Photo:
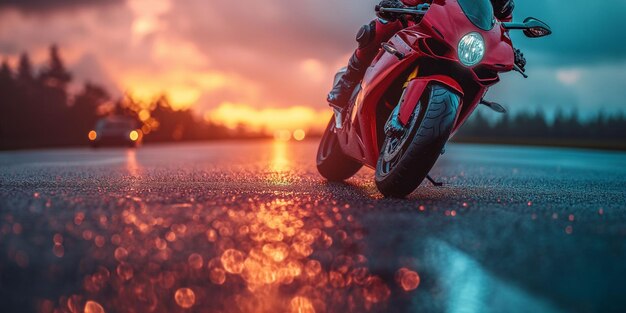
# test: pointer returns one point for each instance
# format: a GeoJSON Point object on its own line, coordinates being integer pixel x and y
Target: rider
{"type": "Point", "coordinates": [382, 29]}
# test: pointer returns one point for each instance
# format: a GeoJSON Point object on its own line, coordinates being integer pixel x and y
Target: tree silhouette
{"type": "Point", "coordinates": [534, 128]}
{"type": "Point", "coordinates": [25, 70]}
{"type": "Point", "coordinates": [6, 75]}
{"type": "Point", "coordinates": [36, 111]}
{"type": "Point", "coordinates": [7, 111]}
{"type": "Point", "coordinates": [55, 75]}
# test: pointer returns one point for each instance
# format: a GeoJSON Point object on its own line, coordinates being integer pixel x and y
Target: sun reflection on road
{"type": "Point", "coordinates": [289, 254]}
{"type": "Point", "coordinates": [138, 251]}
{"type": "Point", "coordinates": [280, 157]}
{"type": "Point", "coordinates": [280, 164]}
{"type": "Point", "coordinates": [132, 166]}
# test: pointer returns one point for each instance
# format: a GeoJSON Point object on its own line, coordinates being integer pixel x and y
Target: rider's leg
{"type": "Point", "coordinates": [369, 38]}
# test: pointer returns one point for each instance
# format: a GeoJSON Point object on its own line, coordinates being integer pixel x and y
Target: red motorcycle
{"type": "Point", "coordinates": [423, 85]}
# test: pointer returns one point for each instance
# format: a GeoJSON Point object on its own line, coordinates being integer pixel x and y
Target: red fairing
{"type": "Point", "coordinates": [431, 47]}
{"type": "Point", "coordinates": [412, 3]}
{"type": "Point", "coordinates": [416, 88]}
{"type": "Point", "coordinates": [452, 27]}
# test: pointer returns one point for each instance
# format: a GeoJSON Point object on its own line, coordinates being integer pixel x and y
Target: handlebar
{"type": "Point", "coordinates": [519, 70]}
{"type": "Point", "coordinates": [418, 10]}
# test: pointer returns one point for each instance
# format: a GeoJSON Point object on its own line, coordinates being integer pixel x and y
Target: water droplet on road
{"type": "Point", "coordinates": [233, 261]}
{"type": "Point", "coordinates": [408, 280]}
{"type": "Point", "coordinates": [185, 297]}
{"type": "Point", "coordinates": [93, 307]}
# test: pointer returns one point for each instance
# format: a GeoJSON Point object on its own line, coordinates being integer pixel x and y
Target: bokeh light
{"type": "Point", "coordinates": [409, 280]}
{"type": "Point", "coordinates": [243, 256]}
{"type": "Point", "coordinates": [185, 297]}
{"type": "Point", "coordinates": [134, 135]}
{"type": "Point", "coordinates": [93, 307]}
{"type": "Point", "coordinates": [92, 135]}
{"type": "Point", "coordinates": [299, 135]}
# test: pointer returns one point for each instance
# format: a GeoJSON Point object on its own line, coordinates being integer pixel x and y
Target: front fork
{"type": "Point", "coordinates": [394, 126]}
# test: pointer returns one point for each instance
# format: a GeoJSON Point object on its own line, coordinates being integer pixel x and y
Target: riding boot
{"type": "Point", "coordinates": [339, 96]}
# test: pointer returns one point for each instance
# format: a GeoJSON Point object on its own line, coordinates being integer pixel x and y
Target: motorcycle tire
{"type": "Point", "coordinates": [332, 163]}
{"type": "Point", "coordinates": [402, 168]}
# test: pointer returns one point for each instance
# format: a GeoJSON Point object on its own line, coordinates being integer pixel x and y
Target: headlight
{"type": "Point", "coordinates": [471, 49]}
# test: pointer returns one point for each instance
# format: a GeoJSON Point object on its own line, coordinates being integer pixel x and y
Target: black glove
{"type": "Point", "coordinates": [395, 4]}
{"type": "Point", "coordinates": [520, 60]}
{"type": "Point", "coordinates": [503, 8]}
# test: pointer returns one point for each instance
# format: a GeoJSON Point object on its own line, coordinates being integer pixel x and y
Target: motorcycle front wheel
{"type": "Point", "coordinates": [332, 163]}
{"type": "Point", "coordinates": [405, 159]}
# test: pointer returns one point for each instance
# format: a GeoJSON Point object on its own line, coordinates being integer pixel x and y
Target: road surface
{"type": "Point", "coordinates": [251, 227]}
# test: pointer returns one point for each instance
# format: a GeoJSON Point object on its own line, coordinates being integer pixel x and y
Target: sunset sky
{"type": "Point", "coordinates": [272, 61]}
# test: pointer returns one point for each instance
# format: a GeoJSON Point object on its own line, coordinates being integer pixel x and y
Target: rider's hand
{"type": "Point", "coordinates": [520, 60]}
{"type": "Point", "coordinates": [388, 4]}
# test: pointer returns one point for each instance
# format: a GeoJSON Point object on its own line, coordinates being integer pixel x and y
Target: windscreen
{"type": "Point", "coordinates": [480, 12]}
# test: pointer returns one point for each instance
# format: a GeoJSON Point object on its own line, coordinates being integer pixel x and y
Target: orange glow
{"type": "Point", "coordinates": [211, 235]}
{"type": "Point", "coordinates": [195, 261]}
{"type": "Point", "coordinates": [151, 58]}
{"type": "Point", "coordinates": [183, 87]}
{"type": "Point", "coordinates": [134, 135]}
{"type": "Point", "coordinates": [301, 305]}
{"type": "Point", "coordinates": [249, 258]}
{"type": "Point", "coordinates": [277, 251]}
{"type": "Point", "coordinates": [144, 115]}
{"type": "Point", "coordinates": [409, 280]}
{"type": "Point", "coordinates": [280, 157]}
{"type": "Point", "coordinates": [170, 236]}
{"type": "Point", "coordinates": [218, 276]}
{"type": "Point", "coordinates": [299, 134]}
{"type": "Point", "coordinates": [131, 163]}
{"type": "Point", "coordinates": [233, 261]}
{"type": "Point", "coordinates": [271, 119]}
{"type": "Point", "coordinates": [282, 135]}
{"type": "Point", "coordinates": [93, 307]}
{"type": "Point", "coordinates": [92, 135]}
{"type": "Point", "coordinates": [185, 297]}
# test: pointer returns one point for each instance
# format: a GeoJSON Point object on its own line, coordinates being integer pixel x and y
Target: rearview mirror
{"type": "Point", "coordinates": [536, 28]}
{"type": "Point", "coordinates": [532, 27]}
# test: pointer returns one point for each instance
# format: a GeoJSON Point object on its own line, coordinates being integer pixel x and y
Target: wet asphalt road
{"type": "Point", "coordinates": [251, 227]}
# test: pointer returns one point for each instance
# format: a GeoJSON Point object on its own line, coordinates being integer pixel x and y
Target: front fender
{"type": "Point", "coordinates": [415, 89]}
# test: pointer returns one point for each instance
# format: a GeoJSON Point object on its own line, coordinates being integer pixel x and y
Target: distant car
{"type": "Point", "coordinates": [115, 131]}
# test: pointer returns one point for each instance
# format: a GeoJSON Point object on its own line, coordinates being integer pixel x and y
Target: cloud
{"type": "Point", "coordinates": [52, 5]}
{"type": "Point", "coordinates": [89, 69]}
{"type": "Point", "coordinates": [288, 47]}
{"type": "Point", "coordinates": [569, 77]}
{"type": "Point", "coordinates": [273, 55]}
{"type": "Point", "coordinates": [584, 32]}
{"type": "Point", "coordinates": [586, 89]}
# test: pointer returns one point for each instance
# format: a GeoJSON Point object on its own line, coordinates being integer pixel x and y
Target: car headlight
{"type": "Point", "coordinates": [133, 135]}
{"type": "Point", "coordinates": [471, 49]}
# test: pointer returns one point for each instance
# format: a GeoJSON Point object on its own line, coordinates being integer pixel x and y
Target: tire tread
{"type": "Point", "coordinates": [425, 147]}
